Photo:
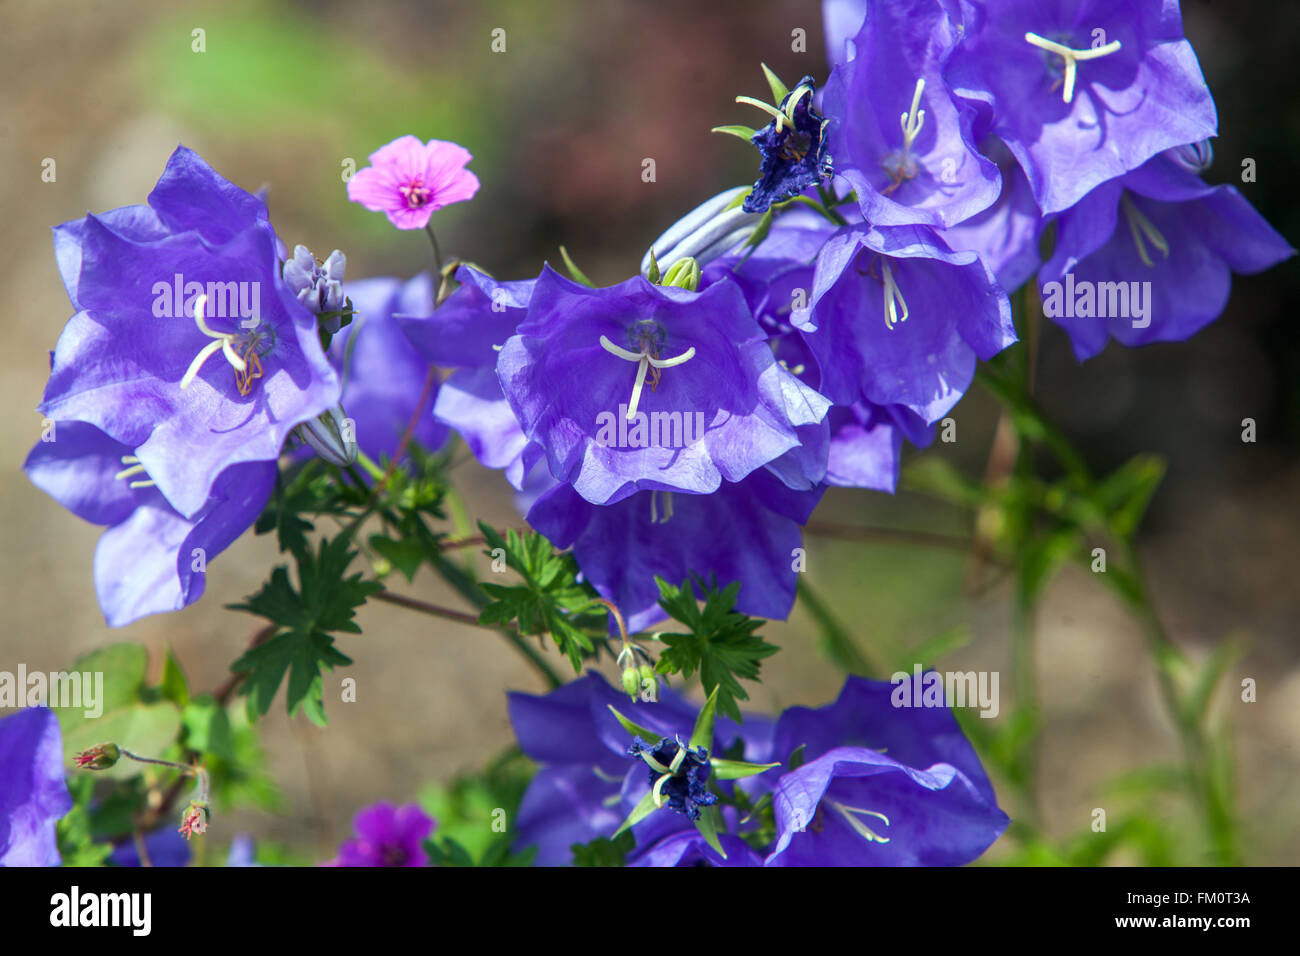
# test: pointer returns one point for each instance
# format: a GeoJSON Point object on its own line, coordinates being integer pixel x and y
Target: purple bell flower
{"type": "Point", "coordinates": [881, 786]}
{"type": "Point", "coordinates": [33, 793]}
{"type": "Point", "coordinates": [692, 363]}
{"type": "Point", "coordinates": [188, 346]}
{"type": "Point", "coordinates": [793, 147]}
{"type": "Point", "coordinates": [1081, 91]}
{"type": "Point", "coordinates": [1149, 257]}
{"type": "Point", "coordinates": [746, 531]}
{"type": "Point", "coordinates": [151, 559]}
{"type": "Point", "coordinates": [466, 333]}
{"type": "Point", "coordinates": [382, 372]}
{"type": "Point", "coordinates": [903, 140]}
{"type": "Point", "coordinates": [898, 318]}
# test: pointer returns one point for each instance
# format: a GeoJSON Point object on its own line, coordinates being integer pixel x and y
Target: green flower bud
{"type": "Point", "coordinates": [631, 682]}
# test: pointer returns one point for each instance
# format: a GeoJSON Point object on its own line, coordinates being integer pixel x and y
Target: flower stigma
{"type": "Point", "coordinates": [646, 336]}
{"type": "Point", "coordinates": [1071, 57]}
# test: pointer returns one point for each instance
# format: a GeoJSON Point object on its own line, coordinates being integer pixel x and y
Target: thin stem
{"type": "Point", "coordinates": [437, 253]}
{"type": "Point", "coordinates": [844, 532]}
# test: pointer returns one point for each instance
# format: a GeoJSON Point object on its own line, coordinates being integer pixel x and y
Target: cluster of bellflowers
{"type": "Point", "coordinates": [781, 339]}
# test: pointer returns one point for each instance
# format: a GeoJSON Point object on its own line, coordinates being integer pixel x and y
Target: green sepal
{"type": "Point", "coordinates": [779, 89]}
{"type": "Point", "coordinates": [636, 730]}
{"type": "Point", "coordinates": [724, 769]}
{"type": "Point", "coordinates": [747, 133]}
{"type": "Point", "coordinates": [574, 272]}
{"type": "Point", "coordinates": [639, 813]}
{"type": "Point", "coordinates": [702, 735]}
{"type": "Point", "coordinates": [708, 828]}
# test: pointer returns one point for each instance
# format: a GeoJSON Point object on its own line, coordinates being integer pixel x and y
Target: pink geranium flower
{"type": "Point", "coordinates": [408, 180]}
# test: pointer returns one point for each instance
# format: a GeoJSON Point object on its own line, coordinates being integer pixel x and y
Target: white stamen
{"type": "Point", "coordinates": [860, 828]}
{"type": "Point", "coordinates": [893, 297]}
{"type": "Point", "coordinates": [133, 468]}
{"type": "Point", "coordinates": [1071, 57]}
{"type": "Point", "coordinates": [1139, 225]}
{"type": "Point", "coordinates": [655, 517]}
{"type": "Point", "coordinates": [914, 118]}
{"type": "Point", "coordinates": [224, 343]}
{"type": "Point", "coordinates": [659, 789]}
{"type": "Point", "coordinates": [644, 362]}
{"type": "Point", "coordinates": [127, 472]}
{"type": "Point", "coordinates": [141, 484]}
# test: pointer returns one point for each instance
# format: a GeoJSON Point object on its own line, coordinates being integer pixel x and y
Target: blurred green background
{"type": "Point", "coordinates": [559, 124]}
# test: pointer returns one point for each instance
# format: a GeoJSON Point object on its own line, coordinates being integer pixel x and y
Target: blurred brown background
{"type": "Point", "coordinates": [559, 125]}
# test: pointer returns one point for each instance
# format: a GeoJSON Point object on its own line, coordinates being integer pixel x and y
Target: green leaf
{"type": "Point", "coordinates": [720, 644]}
{"type": "Point", "coordinates": [127, 716]}
{"type": "Point", "coordinates": [653, 274]}
{"type": "Point", "coordinates": [702, 735]}
{"type": "Point", "coordinates": [551, 600]}
{"type": "Point", "coordinates": [574, 272]}
{"type": "Point", "coordinates": [325, 602]}
{"type": "Point", "coordinates": [207, 727]}
{"type": "Point", "coordinates": [1196, 704]}
{"type": "Point", "coordinates": [604, 852]}
{"type": "Point", "coordinates": [737, 769]}
{"type": "Point", "coordinates": [77, 846]}
{"type": "Point", "coordinates": [174, 686]}
{"type": "Point", "coordinates": [406, 554]}
{"type": "Point", "coordinates": [636, 730]}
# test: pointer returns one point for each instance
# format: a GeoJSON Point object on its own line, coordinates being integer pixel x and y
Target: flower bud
{"type": "Point", "coordinates": [683, 274]}
{"type": "Point", "coordinates": [649, 681]}
{"type": "Point", "coordinates": [631, 682]}
{"type": "Point", "coordinates": [98, 758]}
{"type": "Point", "coordinates": [711, 230]}
{"type": "Point", "coordinates": [331, 437]}
{"type": "Point", "coordinates": [194, 820]}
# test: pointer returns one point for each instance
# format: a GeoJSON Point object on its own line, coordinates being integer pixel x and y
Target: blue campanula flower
{"type": "Point", "coordinates": [903, 140]}
{"type": "Point", "coordinates": [880, 785]}
{"type": "Point", "coordinates": [679, 773]}
{"type": "Point", "coordinates": [188, 346]}
{"type": "Point", "coordinates": [680, 358]}
{"type": "Point", "coordinates": [151, 559]}
{"type": "Point", "coordinates": [387, 835]}
{"type": "Point", "coordinates": [898, 318]}
{"type": "Point", "coordinates": [1081, 91]}
{"type": "Point", "coordinates": [1149, 257]}
{"type": "Point", "coordinates": [33, 794]}
{"type": "Point", "coordinates": [382, 373]}
{"type": "Point", "coordinates": [466, 333]}
{"type": "Point", "coordinates": [746, 531]}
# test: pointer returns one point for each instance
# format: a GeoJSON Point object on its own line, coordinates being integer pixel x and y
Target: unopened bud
{"type": "Point", "coordinates": [711, 230]}
{"type": "Point", "coordinates": [631, 682]}
{"type": "Point", "coordinates": [683, 274]}
{"type": "Point", "coordinates": [331, 437]}
{"type": "Point", "coordinates": [649, 680]}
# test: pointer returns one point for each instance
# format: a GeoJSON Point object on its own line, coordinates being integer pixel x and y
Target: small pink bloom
{"type": "Point", "coordinates": [408, 180]}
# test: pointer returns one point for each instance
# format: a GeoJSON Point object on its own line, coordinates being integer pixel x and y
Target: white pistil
{"type": "Point", "coordinates": [1071, 58]}
{"type": "Point", "coordinates": [913, 119]}
{"type": "Point", "coordinates": [893, 297]}
{"type": "Point", "coordinates": [860, 828]}
{"type": "Point", "coordinates": [645, 362]}
{"type": "Point", "coordinates": [224, 343]}
{"type": "Point", "coordinates": [767, 108]}
{"type": "Point", "coordinates": [1139, 225]}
